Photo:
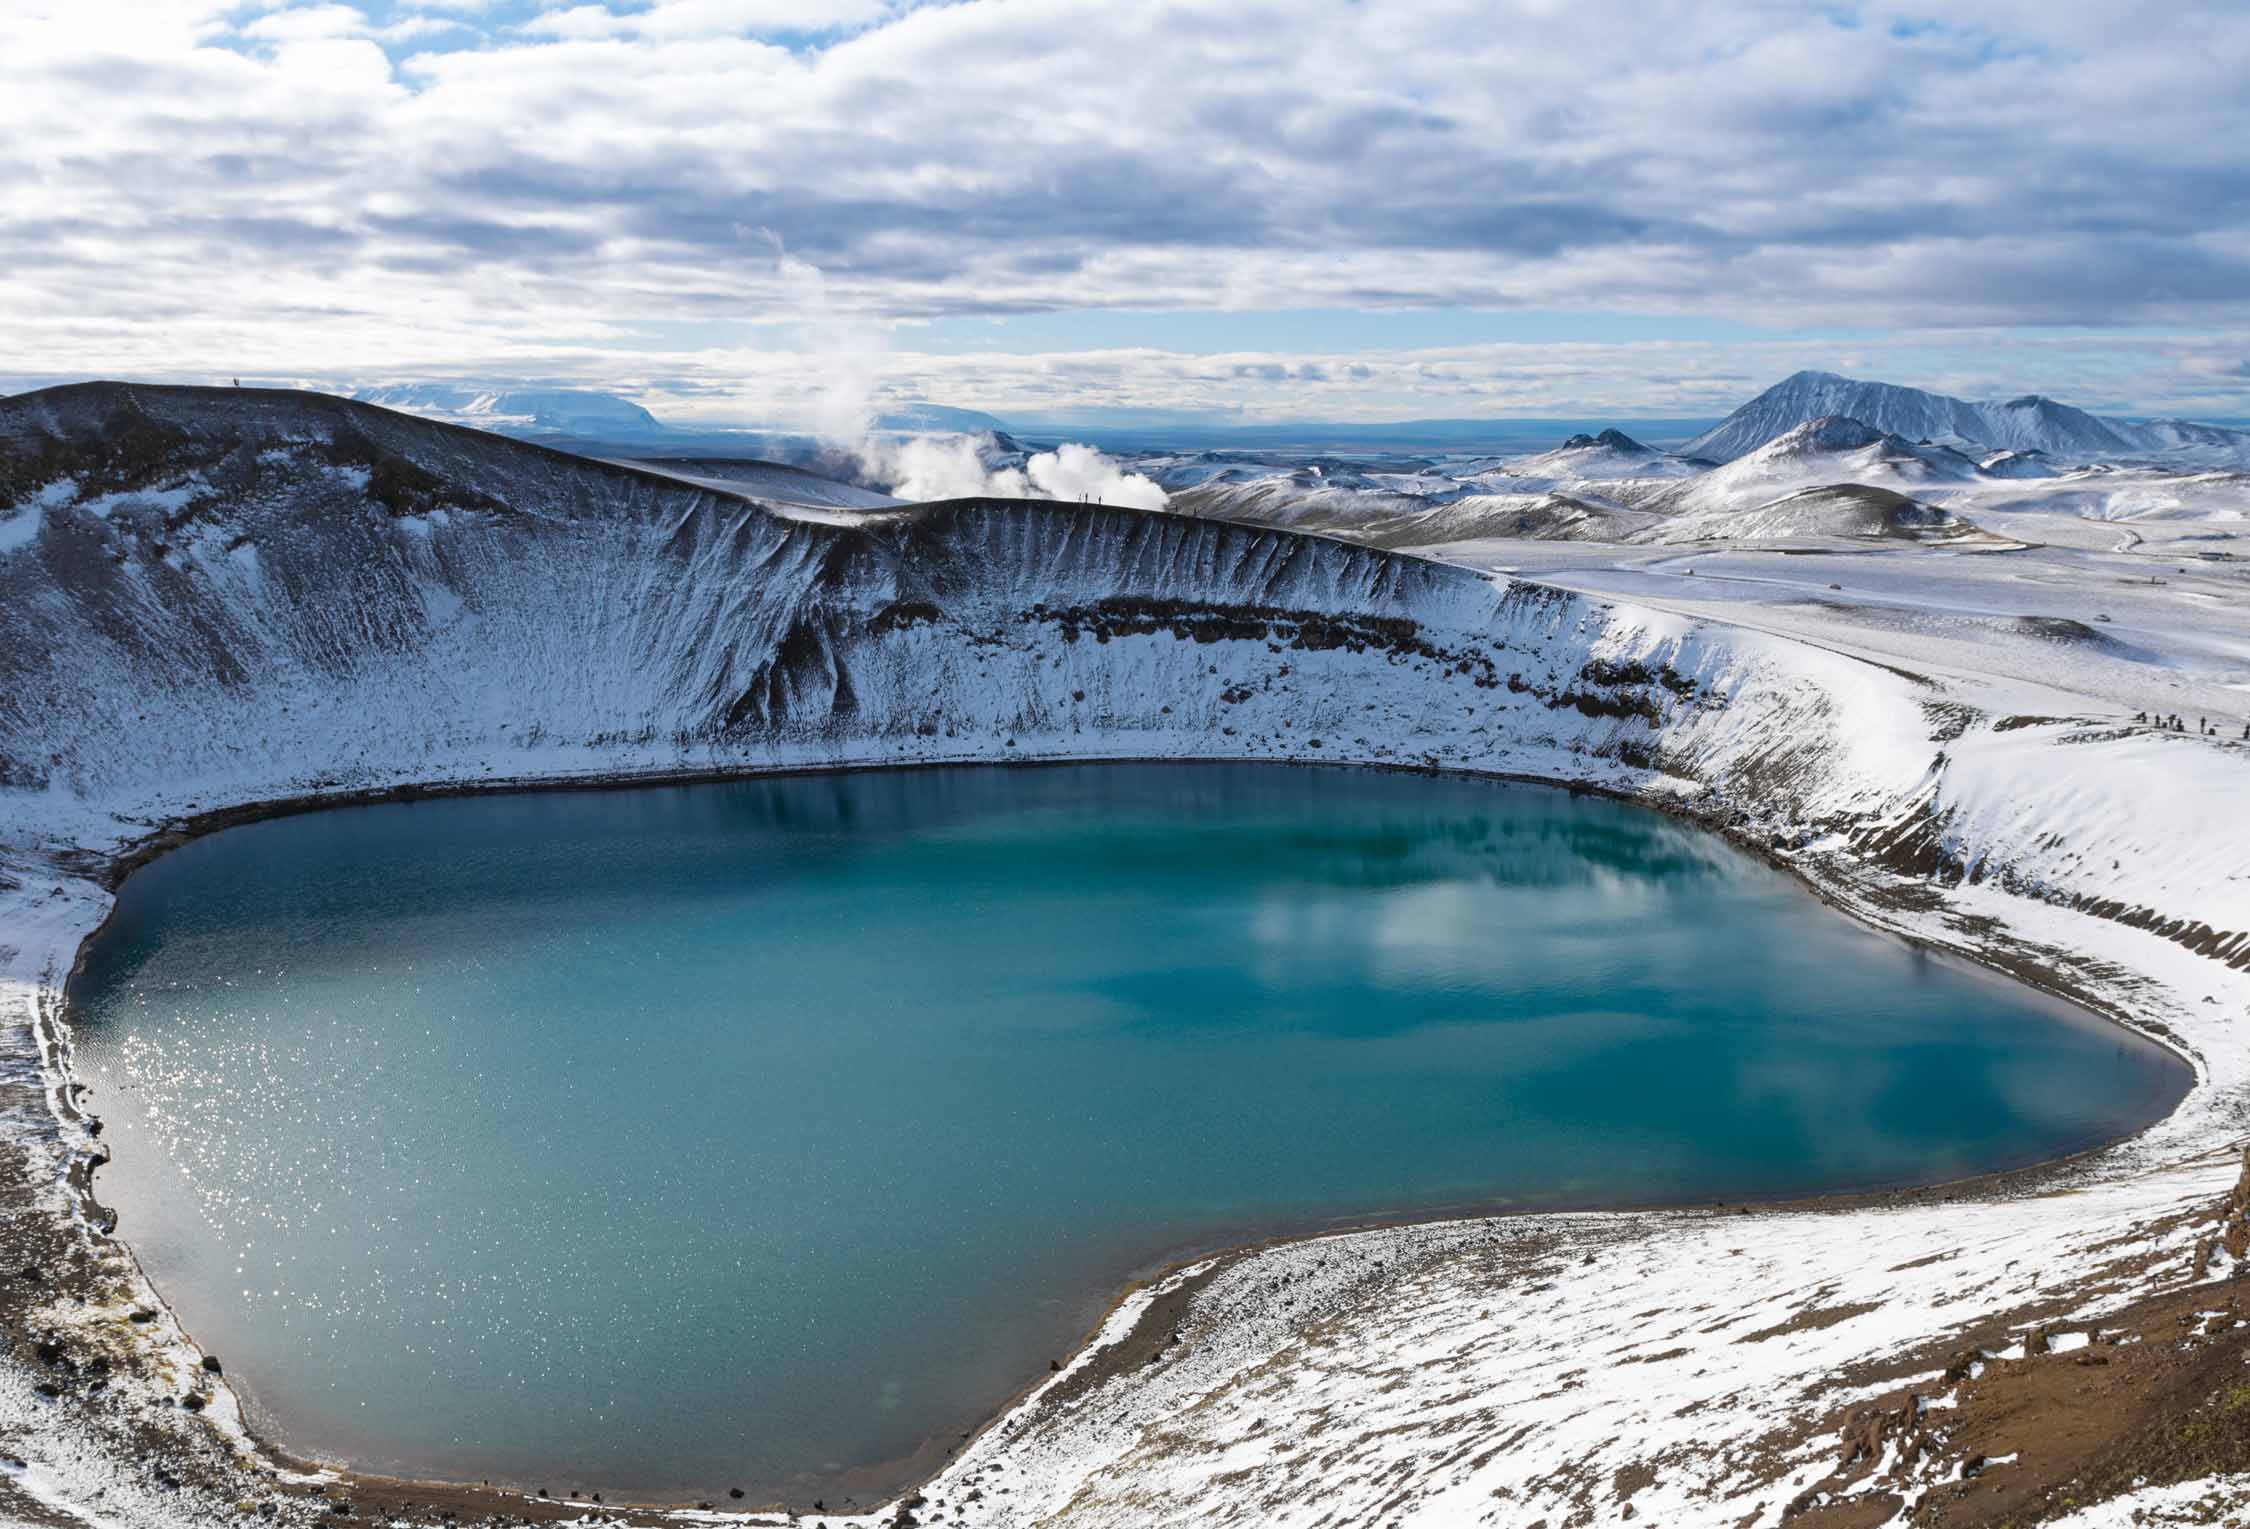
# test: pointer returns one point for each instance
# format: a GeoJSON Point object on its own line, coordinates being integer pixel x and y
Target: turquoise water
{"type": "Point", "coordinates": [755, 1134]}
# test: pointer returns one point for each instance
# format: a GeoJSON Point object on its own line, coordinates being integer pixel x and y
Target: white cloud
{"type": "Point", "coordinates": [674, 20]}
{"type": "Point", "coordinates": [307, 22]}
{"type": "Point", "coordinates": [192, 182]}
{"type": "Point", "coordinates": [408, 28]}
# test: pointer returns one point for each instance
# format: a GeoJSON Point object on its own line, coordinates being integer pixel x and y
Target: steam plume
{"type": "Point", "coordinates": [953, 467]}
{"type": "Point", "coordinates": [930, 466]}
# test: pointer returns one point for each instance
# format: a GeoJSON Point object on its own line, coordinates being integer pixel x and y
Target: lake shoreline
{"type": "Point", "coordinates": [907, 1474]}
{"type": "Point", "coordinates": [2040, 834]}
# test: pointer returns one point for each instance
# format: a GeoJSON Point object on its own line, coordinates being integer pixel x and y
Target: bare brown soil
{"type": "Point", "coordinates": [2158, 1393]}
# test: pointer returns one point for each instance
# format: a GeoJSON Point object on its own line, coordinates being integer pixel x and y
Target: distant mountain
{"type": "Point", "coordinates": [931, 418]}
{"type": "Point", "coordinates": [1447, 436]}
{"type": "Point", "coordinates": [1583, 458]}
{"type": "Point", "coordinates": [2031, 423]}
{"type": "Point", "coordinates": [520, 411]}
{"type": "Point", "coordinates": [1615, 440]}
{"type": "Point", "coordinates": [2023, 424]}
{"type": "Point", "coordinates": [605, 418]}
{"type": "Point", "coordinates": [2228, 447]}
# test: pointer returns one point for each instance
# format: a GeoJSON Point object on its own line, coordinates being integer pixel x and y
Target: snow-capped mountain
{"type": "Point", "coordinates": [2031, 423]}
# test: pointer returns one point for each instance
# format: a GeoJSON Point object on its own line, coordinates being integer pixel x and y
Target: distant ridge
{"type": "Point", "coordinates": [1615, 440]}
{"type": "Point", "coordinates": [2030, 423]}
{"type": "Point", "coordinates": [924, 418]}
{"type": "Point", "coordinates": [519, 411]}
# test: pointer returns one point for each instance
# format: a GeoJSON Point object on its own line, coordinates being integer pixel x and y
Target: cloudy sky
{"type": "Point", "coordinates": [731, 209]}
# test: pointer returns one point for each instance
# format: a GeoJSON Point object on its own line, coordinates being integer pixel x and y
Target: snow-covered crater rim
{"type": "Point", "coordinates": [614, 626]}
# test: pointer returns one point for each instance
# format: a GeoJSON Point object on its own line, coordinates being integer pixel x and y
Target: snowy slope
{"type": "Point", "coordinates": [1528, 517]}
{"type": "Point", "coordinates": [1581, 490]}
{"type": "Point", "coordinates": [212, 598]}
{"type": "Point", "coordinates": [1314, 496]}
{"type": "Point", "coordinates": [2019, 464]}
{"type": "Point", "coordinates": [1820, 452]}
{"type": "Point", "coordinates": [768, 482]}
{"type": "Point", "coordinates": [1846, 510]}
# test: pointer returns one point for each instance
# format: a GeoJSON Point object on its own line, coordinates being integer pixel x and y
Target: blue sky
{"type": "Point", "coordinates": [798, 209]}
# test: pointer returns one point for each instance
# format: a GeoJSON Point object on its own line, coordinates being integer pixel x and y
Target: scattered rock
{"type": "Point", "coordinates": [1863, 1438]}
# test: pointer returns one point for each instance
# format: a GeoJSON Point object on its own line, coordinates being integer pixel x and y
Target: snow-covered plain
{"type": "Point", "coordinates": [1795, 463]}
{"type": "Point", "coordinates": [282, 598]}
{"type": "Point", "coordinates": [1788, 490]}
